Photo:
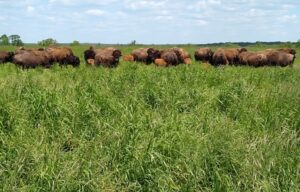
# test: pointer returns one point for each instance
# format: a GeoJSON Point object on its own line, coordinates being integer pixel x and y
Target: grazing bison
{"type": "Point", "coordinates": [32, 59]}
{"type": "Point", "coordinates": [160, 63]}
{"type": "Point", "coordinates": [232, 55]}
{"type": "Point", "coordinates": [89, 54]}
{"type": "Point", "coordinates": [63, 56]}
{"type": "Point", "coordinates": [6, 57]}
{"type": "Point", "coordinates": [280, 58]}
{"type": "Point", "coordinates": [219, 57]}
{"type": "Point", "coordinates": [146, 55]}
{"type": "Point", "coordinates": [170, 57]}
{"type": "Point", "coordinates": [257, 59]}
{"type": "Point", "coordinates": [108, 57]}
{"type": "Point", "coordinates": [128, 58]}
{"type": "Point", "coordinates": [181, 54]}
{"type": "Point", "coordinates": [204, 55]}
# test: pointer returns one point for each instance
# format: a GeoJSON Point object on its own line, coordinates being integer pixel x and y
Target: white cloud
{"type": "Point", "coordinates": [95, 12]}
{"type": "Point", "coordinates": [30, 9]}
{"type": "Point", "coordinates": [201, 22]}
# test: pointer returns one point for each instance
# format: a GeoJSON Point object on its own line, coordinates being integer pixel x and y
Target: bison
{"type": "Point", "coordinates": [280, 58]}
{"type": "Point", "coordinates": [108, 57]}
{"type": "Point", "coordinates": [128, 58]}
{"type": "Point", "coordinates": [89, 54]}
{"type": "Point", "coordinates": [181, 54]}
{"type": "Point", "coordinates": [170, 57]}
{"type": "Point", "coordinates": [145, 55]}
{"type": "Point", "coordinates": [219, 57]}
{"type": "Point", "coordinates": [203, 54]}
{"type": "Point", "coordinates": [232, 55]}
{"type": "Point", "coordinates": [187, 61]}
{"type": "Point", "coordinates": [6, 57]}
{"type": "Point", "coordinates": [63, 56]}
{"type": "Point", "coordinates": [32, 59]}
{"type": "Point", "coordinates": [160, 63]}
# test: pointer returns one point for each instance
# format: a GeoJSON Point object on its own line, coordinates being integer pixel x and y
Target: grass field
{"type": "Point", "coordinates": [143, 128]}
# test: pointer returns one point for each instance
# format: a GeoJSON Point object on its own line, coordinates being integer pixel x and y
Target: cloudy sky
{"type": "Point", "coordinates": [152, 21]}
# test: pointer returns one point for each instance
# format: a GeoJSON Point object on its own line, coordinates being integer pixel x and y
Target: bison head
{"type": "Point", "coordinates": [117, 54]}
{"type": "Point", "coordinates": [89, 54]}
{"type": "Point", "coordinates": [292, 51]}
{"type": "Point", "coordinates": [152, 55]}
{"type": "Point", "coordinates": [241, 50]}
{"type": "Point", "coordinates": [10, 56]}
{"type": "Point", "coordinates": [73, 60]}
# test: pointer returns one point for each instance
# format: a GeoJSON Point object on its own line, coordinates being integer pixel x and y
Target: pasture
{"type": "Point", "coordinates": [145, 128]}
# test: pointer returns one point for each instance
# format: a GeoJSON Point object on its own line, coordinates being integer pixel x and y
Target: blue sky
{"type": "Point", "coordinates": [152, 21]}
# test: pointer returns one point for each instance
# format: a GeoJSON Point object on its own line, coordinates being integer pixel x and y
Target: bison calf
{"type": "Point", "coordinates": [160, 63]}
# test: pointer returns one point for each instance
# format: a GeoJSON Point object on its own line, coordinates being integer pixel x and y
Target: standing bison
{"type": "Point", "coordinates": [32, 59]}
{"type": "Point", "coordinates": [6, 57]}
{"type": "Point", "coordinates": [181, 54]}
{"type": "Point", "coordinates": [63, 56]}
{"type": "Point", "coordinates": [219, 57]}
{"type": "Point", "coordinates": [204, 55]}
{"type": "Point", "coordinates": [170, 57]}
{"type": "Point", "coordinates": [232, 55]}
{"type": "Point", "coordinates": [107, 57]}
{"type": "Point", "coordinates": [145, 55]}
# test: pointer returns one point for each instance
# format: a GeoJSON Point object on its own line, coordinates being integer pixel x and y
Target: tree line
{"type": "Point", "coordinates": [11, 40]}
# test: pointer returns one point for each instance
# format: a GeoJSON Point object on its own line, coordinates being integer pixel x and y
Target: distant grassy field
{"type": "Point", "coordinates": [143, 128]}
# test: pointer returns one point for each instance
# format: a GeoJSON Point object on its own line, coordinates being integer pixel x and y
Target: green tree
{"type": "Point", "coordinates": [47, 42]}
{"type": "Point", "coordinates": [133, 42]}
{"type": "Point", "coordinates": [4, 40]}
{"type": "Point", "coordinates": [75, 43]}
{"type": "Point", "coordinates": [16, 40]}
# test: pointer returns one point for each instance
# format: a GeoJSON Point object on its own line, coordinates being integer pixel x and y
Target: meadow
{"type": "Point", "coordinates": [145, 128]}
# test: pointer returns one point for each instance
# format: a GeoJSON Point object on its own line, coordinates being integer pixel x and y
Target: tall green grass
{"type": "Point", "coordinates": [143, 128]}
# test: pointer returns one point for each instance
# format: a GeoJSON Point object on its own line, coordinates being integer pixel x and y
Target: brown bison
{"type": "Point", "coordinates": [6, 57]}
{"type": "Point", "coordinates": [89, 54]}
{"type": "Point", "coordinates": [32, 59]}
{"type": "Point", "coordinates": [187, 61]}
{"type": "Point", "coordinates": [232, 55]}
{"type": "Point", "coordinates": [128, 58]}
{"type": "Point", "coordinates": [63, 56]}
{"type": "Point", "coordinates": [160, 63]}
{"type": "Point", "coordinates": [108, 57]}
{"type": "Point", "coordinates": [146, 55]}
{"type": "Point", "coordinates": [170, 57]}
{"type": "Point", "coordinates": [257, 59]}
{"type": "Point", "coordinates": [219, 57]}
{"type": "Point", "coordinates": [204, 55]}
{"type": "Point", "coordinates": [181, 54]}
{"type": "Point", "coordinates": [280, 58]}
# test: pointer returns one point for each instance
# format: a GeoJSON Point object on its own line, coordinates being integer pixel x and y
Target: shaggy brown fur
{"type": "Point", "coordinates": [128, 58]}
{"type": "Point", "coordinates": [219, 57]}
{"type": "Point", "coordinates": [160, 63]}
{"type": "Point", "coordinates": [203, 54]}
{"type": "Point", "coordinates": [108, 57]}
{"type": "Point", "coordinates": [6, 56]}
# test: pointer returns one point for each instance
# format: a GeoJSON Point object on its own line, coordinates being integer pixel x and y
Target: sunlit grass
{"type": "Point", "coordinates": [143, 128]}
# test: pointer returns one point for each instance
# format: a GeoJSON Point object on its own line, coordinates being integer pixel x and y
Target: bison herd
{"type": "Point", "coordinates": [240, 56]}
{"type": "Point", "coordinates": [110, 57]}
